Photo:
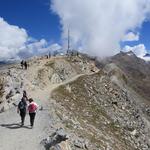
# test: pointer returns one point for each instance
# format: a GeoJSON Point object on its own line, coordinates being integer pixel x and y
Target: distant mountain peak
{"type": "Point", "coordinates": [130, 53]}
{"type": "Point", "coordinates": [126, 54]}
{"type": "Point", "coordinates": [147, 55]}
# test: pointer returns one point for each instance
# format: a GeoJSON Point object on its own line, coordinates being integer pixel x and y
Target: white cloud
{"type": "Point", "coordinates": [139, 50]}
{"type": "Point", "coordinates": [33, 48]}
{"type": "Point", "coordinates": [38, 48]}
{"type": "Point", "coordinates": [131, 37]}
{"type": "Point", "coordinates": [54, 47]}
{"type": "Point", "coordinates": [11, 39]}
{"type": "Point", "coordinates": [15, 43]}
{"type": "Point", "coordinates": [98, 26]}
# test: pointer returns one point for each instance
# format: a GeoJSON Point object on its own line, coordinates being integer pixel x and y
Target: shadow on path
{"type": "Point", "coordinates": [14, 126]}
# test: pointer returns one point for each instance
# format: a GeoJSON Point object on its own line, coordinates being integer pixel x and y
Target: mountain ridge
{"type": "Point", "coordinates": [99, 103]}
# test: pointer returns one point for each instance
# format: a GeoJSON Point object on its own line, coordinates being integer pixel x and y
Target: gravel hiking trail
{"type": "Point", "coordinates": [15, 137]}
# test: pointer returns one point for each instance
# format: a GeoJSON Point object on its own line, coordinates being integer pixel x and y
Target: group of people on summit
{"type": "Point", "coordinates": [27, 105]}
{"type": "Point", "coordinates": [24, 64]}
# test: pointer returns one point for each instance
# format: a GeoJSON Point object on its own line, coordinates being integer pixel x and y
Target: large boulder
{"type": "Point", "coordinates": [54, 140]}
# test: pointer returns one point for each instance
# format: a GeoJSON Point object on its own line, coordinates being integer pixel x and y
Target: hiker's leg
{"type": "Point", "coordinates": [32, 116]}
{"type": "Point", "coordinates": [22, 117]}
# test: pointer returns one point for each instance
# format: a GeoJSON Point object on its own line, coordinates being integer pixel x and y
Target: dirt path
{"type": "Point", "coordinates": [14, 137]}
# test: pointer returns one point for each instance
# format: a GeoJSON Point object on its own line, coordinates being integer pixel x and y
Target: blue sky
{"type": "Point", "coordinates": [144, 36]}
{"type": "Point", "coordinates": [34, 16]}
{"type": "Point", "coordinates": [86, 20]}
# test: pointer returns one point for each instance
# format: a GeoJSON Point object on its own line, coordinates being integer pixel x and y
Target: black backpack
{"type": "Point", "coordinates": [22, 105]}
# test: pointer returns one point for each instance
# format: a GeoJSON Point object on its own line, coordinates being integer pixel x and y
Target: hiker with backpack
{"type": "Point", "coordinates": [32, 107]}
{"type": "Point", "coordinates": [22, 107]}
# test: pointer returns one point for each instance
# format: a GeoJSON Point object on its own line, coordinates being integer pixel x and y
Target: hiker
{"type": "Point", "coordinates": [25, 65]}
{"type": "Point", "coordinates": [25, 95]}
{"type": "Point", "coordinates": [32, 107]}
{"type": "Point", "coordinates": [22, 107]}
{"type": "Point", "coordinates": [22, 64]}
{"type": "Point", "coordinates": [49, 55]}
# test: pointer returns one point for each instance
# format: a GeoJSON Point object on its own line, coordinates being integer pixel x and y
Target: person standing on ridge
{"type": "Point", "coordinates": [25, 95]}
{"type": "Point", "coordinates": [32, 107]}
{"type": "Point", "coordinates": [25, 65]}
{"type": "Point", "coordinates": [22, 107]}
{"type": "Point", "coordinates": [49, 55]}
{"type": "Point", "coordinates": [22, 64]}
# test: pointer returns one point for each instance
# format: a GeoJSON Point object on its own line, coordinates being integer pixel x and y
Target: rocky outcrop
{"type": "Point", "coordinates": [53, 142]}
{"type": "Point", "coordinates": [60, 140]}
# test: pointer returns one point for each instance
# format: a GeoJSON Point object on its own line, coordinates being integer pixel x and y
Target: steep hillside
{"type": "Point", "coordinates": [102, 113]}
{"type": "Point", "coordinates": [41, 77]}
{"type": "Point", "coordinates": [41, 74]}
{"type": "Point", "coordinates": [136, 70]}
{"type": "Point", "coordinates": [97, 108]}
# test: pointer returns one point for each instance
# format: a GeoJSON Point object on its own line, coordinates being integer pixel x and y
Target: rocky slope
{"type": "Point", "coordinates": [136, 70]}
{"type": "Point", "coordinates": [108, 109]}
{"type": "Point", "coordinates": [41, 74]}
{"type": "Point", "coordinates": [96, 108]}
{"type": "Point", "coordinates": [102, 113]}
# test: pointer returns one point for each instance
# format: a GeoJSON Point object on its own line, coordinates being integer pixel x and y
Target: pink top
{"type": "Point", "coordinates": [32, 107]}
